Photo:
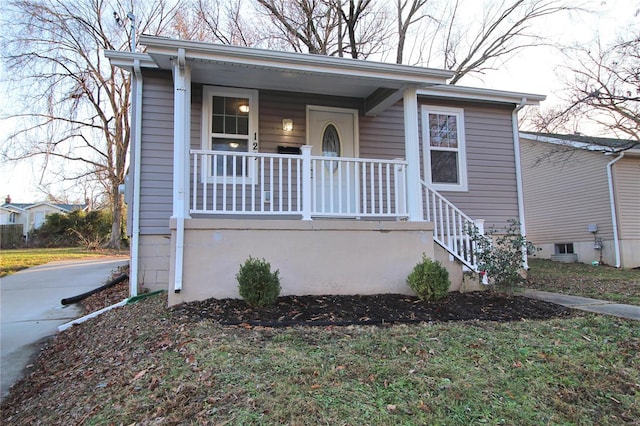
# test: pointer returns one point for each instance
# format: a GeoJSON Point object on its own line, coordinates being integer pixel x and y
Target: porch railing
{"type": "Point", "coordinates": [451, 227]}
{"type": "Point", "coordinates": [237, 183]}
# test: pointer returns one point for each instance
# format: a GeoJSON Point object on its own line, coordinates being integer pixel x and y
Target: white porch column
{"type": "Point", "coordinates": [412, 152]}
{"type": "Point", "coordinates": [181, 141]}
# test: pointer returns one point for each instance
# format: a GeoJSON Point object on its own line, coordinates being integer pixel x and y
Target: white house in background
{"type": "Point", "coordinates": [32, 215]}
{"type": "Point", "coordinates": [582, 197]}
{"type": "Point", "coordinates": [340, 172]}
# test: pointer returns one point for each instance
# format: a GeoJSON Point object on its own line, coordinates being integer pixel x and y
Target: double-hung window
{"type": "Point", "coordinates": [444, 148]}
{"type": "Point", "coordinates": [230, 127]}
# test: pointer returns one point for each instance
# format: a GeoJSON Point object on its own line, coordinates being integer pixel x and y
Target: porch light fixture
{"type": "Point", "coordinates": [287, 124]}
{"type": "Point", "coordinates": [243, 108]}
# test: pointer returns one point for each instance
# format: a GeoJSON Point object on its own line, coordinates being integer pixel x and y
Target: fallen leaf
{"type": "Point", "coordinates": [314, 387]}
{"type": "Point", "coordinates": [139, 374]}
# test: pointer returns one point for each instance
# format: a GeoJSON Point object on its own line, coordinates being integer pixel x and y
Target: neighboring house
{"type": "Point", "coordinates": [582, 197]}
{"type": "Point", "coordinates": [10, 215]}
{"type": "Point", "coordinates": [33, 215]}
{"type": "Point", "coordinates": [314, 163]}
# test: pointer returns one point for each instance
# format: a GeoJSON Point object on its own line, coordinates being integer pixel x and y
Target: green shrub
{"type": "Point", "coordinates": [77, 228]}
{"type": "Point", "coordinates": [429, 279]}
{"type": "Point", "coordinates": [501, 255]}
{"type": "Point", "coordinates": [258, 285]}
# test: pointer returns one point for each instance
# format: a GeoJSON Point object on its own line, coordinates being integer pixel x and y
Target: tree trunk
{"type": "Point", "coordinates": [115, 240]}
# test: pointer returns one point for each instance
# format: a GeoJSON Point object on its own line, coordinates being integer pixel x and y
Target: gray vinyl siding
{"type": "Point", "coordinates": [491, 172]}
{"type": "Point", "coordinates": [564, 193]}
{"type": "Point", "coordinates": [274, 106]}
{"type": "Point", "coordinates": [627, 190]}
{"type": "Point", "coordinates": [156, 163]}
{"type": "Point", "coordinates": [489, 142]}
{"type": "Point", "coordinates": [382, 136]}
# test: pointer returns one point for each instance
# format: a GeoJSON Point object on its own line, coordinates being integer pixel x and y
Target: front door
{"type": "Point", "coordinates": [332, 133]}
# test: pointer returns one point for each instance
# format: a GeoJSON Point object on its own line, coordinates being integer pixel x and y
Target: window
{"type": "Point", "coordinates": [12, 217]}
{"type": "Point", "coordinates": [444, 148]}
{"type": "Point", "coordinates": [564, 248]}
{"type": "Point", "coordinates": [230, 124]}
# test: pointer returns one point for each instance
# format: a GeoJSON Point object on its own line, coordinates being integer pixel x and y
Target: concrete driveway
{"type": "Point", "coordinates": [30, 308]}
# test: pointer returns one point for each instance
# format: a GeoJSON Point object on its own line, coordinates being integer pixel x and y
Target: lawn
{"type": "Point", "coordinates": [14, 260]}
{"type": "Point", "coordinates": [145, 364]}
{"type": "Point", "coordinates": [579, 279]}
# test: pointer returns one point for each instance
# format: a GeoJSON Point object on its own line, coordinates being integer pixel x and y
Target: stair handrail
{"type": "Point", "coordinates": [451, 231]}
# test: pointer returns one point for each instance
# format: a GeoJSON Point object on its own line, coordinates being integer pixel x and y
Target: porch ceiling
{"type": "Point", "coordinates": [295, 72]}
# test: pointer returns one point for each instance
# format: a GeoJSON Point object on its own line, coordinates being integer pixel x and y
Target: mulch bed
{"type": "Point", "coordinates": [374, 309]}
{"type": "Point", "coordinates": [346, 310]}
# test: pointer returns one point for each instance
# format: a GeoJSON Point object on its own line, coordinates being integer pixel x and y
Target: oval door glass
{"type": "Point", "coordinates": [331, 142]}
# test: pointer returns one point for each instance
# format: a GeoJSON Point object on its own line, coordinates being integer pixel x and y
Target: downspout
{"type": "Point", "coordinates": [612, 202]}
{"type": "Point", "coordinates": [137, 154]}
{"type": "Point", "coordinates": [182, 97]}
{"type": "Point", "coordinates": [516, 149]}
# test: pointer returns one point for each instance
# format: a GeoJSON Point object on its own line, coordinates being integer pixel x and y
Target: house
{"type": "Point", "coordinates": [32, 215]}
{"type": "Point", "coordinates": [582, 197]}
{"type": "Point", "coordinates": [314, 163]}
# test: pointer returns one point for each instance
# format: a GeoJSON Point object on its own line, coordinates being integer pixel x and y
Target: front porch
{"type": "Point", "coordinates": [331, 225]}
{"type": "Point", "coordinates": [314, 257]}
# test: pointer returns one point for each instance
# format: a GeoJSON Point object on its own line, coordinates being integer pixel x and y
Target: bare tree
{"type": "Point", "coordinates": [474, 46]}
{"type": "Point", "coordinates": [603, 90]}
{"type": "Point", "coordinates": [407, 15]}
{"type": "Point", "coordinates": [365, 23]}
{"type": "Point", "coordinates": [305, 25]}
{"type": "Point", "coordinates": [217, 21]}
{"type": "Point", "coordinates": [76, 104]}
{"type": "Point", "coordinates": [463, 36]}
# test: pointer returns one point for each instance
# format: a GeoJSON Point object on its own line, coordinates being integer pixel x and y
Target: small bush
{"type": "Point", "coordinates": [429, 279]}
{"type": "Point", "coordinates": [258, 285]}
{"type": "Point", "coordinates": [501, 255]}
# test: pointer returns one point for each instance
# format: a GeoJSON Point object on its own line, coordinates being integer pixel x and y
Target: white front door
{"type": "Point", "coordinates": [333, 132]}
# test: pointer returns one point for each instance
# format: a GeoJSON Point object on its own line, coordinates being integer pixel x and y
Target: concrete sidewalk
{"type": "Point", "coordinates": [30, 308]}
{"type": "Point", "coordinates": [587, 304]}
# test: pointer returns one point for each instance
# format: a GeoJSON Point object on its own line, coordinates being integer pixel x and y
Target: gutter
{"type": "Point", "coordinates": [520, 190]}
{"type": "Point", "coordinates": [137, 154]}
{"type": "Point", "coordinates": [612, 203]}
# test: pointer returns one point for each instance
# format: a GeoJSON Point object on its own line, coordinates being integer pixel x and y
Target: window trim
{"type": "Point", "coordinates": [208, 92]}
{"type": "Point", "coordinates": [462, 185]}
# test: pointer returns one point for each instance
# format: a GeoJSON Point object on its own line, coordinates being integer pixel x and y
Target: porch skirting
{"type": "Point", "coordinates": [314, 257]}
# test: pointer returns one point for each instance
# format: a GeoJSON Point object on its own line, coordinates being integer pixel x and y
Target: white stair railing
{"type": "Point", "coordinates": [451, 227]}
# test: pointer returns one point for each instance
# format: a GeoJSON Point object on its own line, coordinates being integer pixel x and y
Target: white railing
{"type": "Point", "coordinates": [274, 184]}
{"type": "Point", "coordinates": [451, 227]}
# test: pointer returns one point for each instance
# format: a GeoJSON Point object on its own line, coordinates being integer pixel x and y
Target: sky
{"type": "Point", "coordinates": [531, 71]}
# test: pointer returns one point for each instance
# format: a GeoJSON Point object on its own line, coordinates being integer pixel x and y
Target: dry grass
{"type": "Point", "coordinates": [144, 364]}
{"type": "Point", "coordinates": [579, 279]}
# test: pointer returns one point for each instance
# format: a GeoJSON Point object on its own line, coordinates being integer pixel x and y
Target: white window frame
{"type": "Point", "coordinates": [462, 184]}
{"type": "Point", "coordinates": [208, 92]}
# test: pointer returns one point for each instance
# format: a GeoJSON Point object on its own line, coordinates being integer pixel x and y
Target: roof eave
{"type": "Point", "coordinates": [579, 144]}
{"type": "Point", "coordinates": [479, 94]}
{"type": "Point", "coordinates": [293, 61]}
{"type": "Point", "coordinates": [126, 60]}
